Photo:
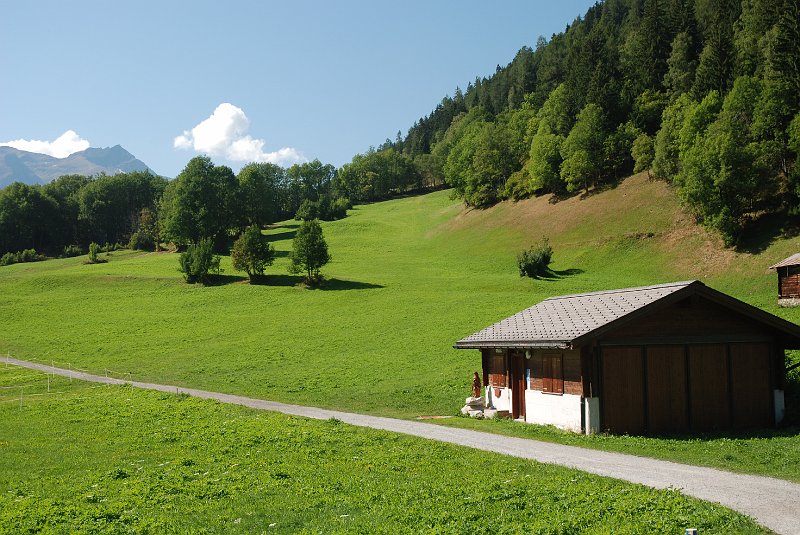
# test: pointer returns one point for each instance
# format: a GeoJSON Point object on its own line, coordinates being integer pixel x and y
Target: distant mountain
{"type": "Point", "coordinates": [32, 168]}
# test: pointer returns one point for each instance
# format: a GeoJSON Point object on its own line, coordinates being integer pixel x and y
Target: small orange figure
{"type": "Point", "coordinates": [476, 385]}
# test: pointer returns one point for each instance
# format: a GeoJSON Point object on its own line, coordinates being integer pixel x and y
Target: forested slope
{"type": "Point", "coordinates": [703, 92]}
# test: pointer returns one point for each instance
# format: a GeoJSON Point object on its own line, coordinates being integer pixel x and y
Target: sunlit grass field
{"type": "Point", "coordinates": [112, 459]}
{"type": "Point", "coordinates": [409, 277]}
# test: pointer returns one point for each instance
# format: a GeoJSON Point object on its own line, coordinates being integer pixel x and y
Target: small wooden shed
{"type": "Point", "coordinates": [788, 271]}
{"type": "Point", "coordinates": [668, 358]}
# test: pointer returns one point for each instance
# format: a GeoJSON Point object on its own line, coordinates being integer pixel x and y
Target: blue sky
{"type": "Point", "coordinates": [272, 81]}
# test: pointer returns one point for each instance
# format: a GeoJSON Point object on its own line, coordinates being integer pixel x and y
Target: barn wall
{"type": "Point", "coordinates": [658, 389]}
{"type": "Point", "coordinates": [789, 282]}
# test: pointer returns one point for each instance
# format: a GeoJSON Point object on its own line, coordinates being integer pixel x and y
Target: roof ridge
{"type": "Point", "coordinates": [681, 284]}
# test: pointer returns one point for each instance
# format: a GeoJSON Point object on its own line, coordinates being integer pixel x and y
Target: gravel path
{"type": "Point", "coordinates": [774, 503]}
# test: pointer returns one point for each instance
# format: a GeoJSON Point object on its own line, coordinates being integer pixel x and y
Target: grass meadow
{"type": "Point", "coordinates": [408, 278]}
{"type": "Point", "coordinates": [112, 459]}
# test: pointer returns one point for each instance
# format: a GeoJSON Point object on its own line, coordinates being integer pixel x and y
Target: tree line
{"type": "Point", "coordinates": [706, 93]}
{"type": "Point", "coordinates": [204, 202]}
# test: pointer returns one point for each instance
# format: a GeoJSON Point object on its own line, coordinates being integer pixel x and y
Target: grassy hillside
{"type": "Point", "coordinates": [100, 459]}
{"type": "Point", "coordinates": [409, 278]}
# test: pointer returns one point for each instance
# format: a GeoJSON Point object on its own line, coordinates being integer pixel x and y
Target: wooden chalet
{"type": "Point", "coordinates": [669, 358]}
{"type": "Point", "coordinates": [788, 271]}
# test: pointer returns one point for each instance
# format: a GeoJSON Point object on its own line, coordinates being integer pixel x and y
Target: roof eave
{"type": "Point", "coordinates": [513, 344]}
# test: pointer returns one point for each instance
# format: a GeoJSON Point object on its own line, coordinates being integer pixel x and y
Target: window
{"type": "Point", "coordinates": [552, 374]}
{"type": "Point", "coordinates": [497, 373]}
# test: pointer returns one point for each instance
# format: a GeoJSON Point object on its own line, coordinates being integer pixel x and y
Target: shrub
{"type": "Point", "coordinates": [28, 255]}
{"type": "Point", "coordinates": [535, 261]}
{"type": "Point", "coordinates": [252, 253]}
{"type": "Point", "coordinates": [8, 259]}
{"type": "Point", "coordinates": [339, 208]}
{"type": "Point", "coordinates": [72, 250]}
{"type": "Point", "coordinates": [94, 248]}
{"type": "Point", "coordinates": [198, 261]}
{"type": "Point", "coordinates": [309, 251]}
{"type": "Point", "coordinates": [142, 241]}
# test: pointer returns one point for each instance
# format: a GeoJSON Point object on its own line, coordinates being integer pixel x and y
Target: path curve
{"type": "Point", "coordinates": [773, 503]}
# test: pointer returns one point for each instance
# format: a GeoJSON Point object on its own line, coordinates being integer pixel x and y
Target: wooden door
{"type": "Point", "coordinates": [667, 407]}
{"type": "Point", "coordinates": [708, 386]}
{"type": "Point", "coordinates": [518, 386]}
{"type": "Point", "coordinates": [622, 399]}
{"type": "Point", "coordinates": [751, 391]}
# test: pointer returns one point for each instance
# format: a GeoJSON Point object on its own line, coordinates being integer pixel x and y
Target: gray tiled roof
{"type": "Point", "coordinates": [557, 321]}
{"type": "Point", "coordinates": [793, 260]}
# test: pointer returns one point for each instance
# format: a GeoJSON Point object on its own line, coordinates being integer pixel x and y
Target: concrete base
{"type": "Point", "coordinates": [780, 406]}
{"type": "Point", "coordinates": [788, 302]}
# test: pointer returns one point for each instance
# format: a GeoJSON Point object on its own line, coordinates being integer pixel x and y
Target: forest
{"type": "Point", "coordinates": [703, 94]}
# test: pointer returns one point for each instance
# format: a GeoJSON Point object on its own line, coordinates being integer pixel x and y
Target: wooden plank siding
{"type": "Point", "coordinates": [622, 402]}
{"type": "Point", "coordinates": [667, 402]}
{"type": "Point", "coordinates": [692, 317]}
{"type": "Point", "coordinates": [664, 389]}
{"type": "Point", "coordinates": [708, 387]}
{"type": "Point", "coordinates": [789, 282]}
{"type": "Point", "coordinates": [751, 391]}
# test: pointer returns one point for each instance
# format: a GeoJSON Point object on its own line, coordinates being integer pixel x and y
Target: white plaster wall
{"type": "Point", "coordinates": [501, 402]}
{"type": "Point", "coordinates": [562, 411]}
{"type": "Point", "coordinates": [780, 406]}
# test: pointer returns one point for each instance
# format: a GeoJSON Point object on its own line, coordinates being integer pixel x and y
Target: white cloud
{"type": "Point", "coordinates": [63, 146]}
{"type": "Point", "coordinates": [224, 134]}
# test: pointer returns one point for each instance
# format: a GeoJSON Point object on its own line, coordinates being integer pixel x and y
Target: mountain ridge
{"type": "Point", "coordinates": [34, 168]}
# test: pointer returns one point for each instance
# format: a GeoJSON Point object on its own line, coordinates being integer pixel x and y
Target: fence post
{"type": "Point", "coordinates": [69, 367]}
{"type": "Point", "coordinates": [48, 383]}
{"type": "Point", "coordinates": [21, 392]}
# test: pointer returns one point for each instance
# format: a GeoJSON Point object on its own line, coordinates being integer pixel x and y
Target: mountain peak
{"type": "Point", "coordinates": [33, 168]}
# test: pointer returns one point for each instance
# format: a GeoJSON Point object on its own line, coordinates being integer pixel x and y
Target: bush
{"type": "Point", "coordinates": [72, 250]}
{"type": "Point", "coordinates": [28, 255]}
{"type": "Point", "coordinates": [142, 241]}
{"type": "Point", "coordinates": [252, 253]}
{"type": "Point", "coordinates": [535, 262]}
{"type": "Point", "coordinates": [198, 261]}
{"type": "Point", "coordinates": [8, 259]}
{"type": "Point", "coordinates": [94, 248]}
{"type": "Point", "coordinates": [323, 209]}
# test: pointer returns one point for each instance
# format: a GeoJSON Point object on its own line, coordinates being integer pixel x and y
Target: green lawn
{"type": "Point", "coordinates": [409, 277]}
{"type": "Point", "coordinates": [111, 459]}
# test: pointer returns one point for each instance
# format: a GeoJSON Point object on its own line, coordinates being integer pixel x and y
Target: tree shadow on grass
{"type": "Point", "coordinates": [278, 280]}
{"type": "Point", "coordinates": [339, 284]}
{"type": "Point", "coordinates": [325, 284]}
{"type": "Point", "coordinates": [758, 235]}
{"type": "Point", "coordinates": [223, 280]}
{"type": "Point", "coordinates": [557, 274]}
{"type": "Point", "coordinates": [280, 236]}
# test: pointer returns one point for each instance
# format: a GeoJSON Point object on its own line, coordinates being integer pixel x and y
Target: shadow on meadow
{"type": "Point", "coordinates": [280, 236]}
{"type": "Point", "coordinates": [223, 280]}
{"type": "Point", "coordinates": [325, 284]}
{"type": "Point", "coordinates": [557, 274]}
{"type": "Point", "coordinates": [759, 234]}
